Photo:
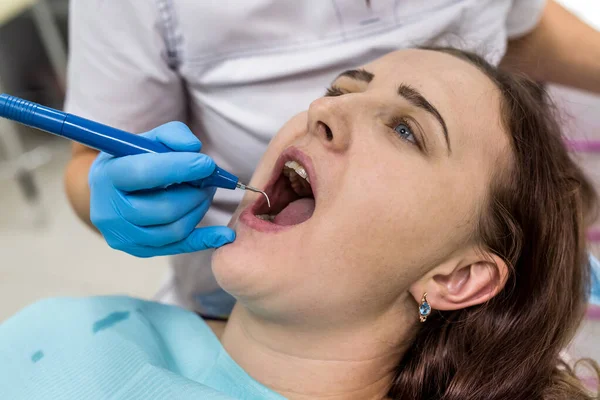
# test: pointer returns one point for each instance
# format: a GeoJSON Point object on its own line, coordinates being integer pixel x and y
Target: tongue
{"type": "Point", "coordinates": [296, 212]}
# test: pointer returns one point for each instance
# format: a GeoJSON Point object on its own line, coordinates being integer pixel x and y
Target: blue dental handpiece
{"type": "Point", "coordinates": [104, 138]}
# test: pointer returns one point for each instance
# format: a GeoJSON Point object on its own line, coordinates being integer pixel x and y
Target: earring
{"type": "Point", "coordinates": [424, 308]}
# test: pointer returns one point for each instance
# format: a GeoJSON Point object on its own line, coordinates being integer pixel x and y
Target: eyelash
{"type": "Point", "coordinates": [334, 91]}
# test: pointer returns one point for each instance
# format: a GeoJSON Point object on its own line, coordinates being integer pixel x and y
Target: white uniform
{"type": "Point", "coordinates": [236, 70]}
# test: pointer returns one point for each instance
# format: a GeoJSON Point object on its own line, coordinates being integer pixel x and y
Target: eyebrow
{"type": "Point", "coordinates": [413, 96]}
{"type": "Point", "coordinates": [357, 74]}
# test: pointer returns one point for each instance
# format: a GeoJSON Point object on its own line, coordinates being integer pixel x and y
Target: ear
{"type": "Point", "coordinates": [463, 282]}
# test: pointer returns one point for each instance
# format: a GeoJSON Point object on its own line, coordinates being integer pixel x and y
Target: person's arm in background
{"type": "Point", "coordinates": [560, 49]}
{"type": "Point", "coordinates": [76, 185]}
{"type": "Point", "coordinates": [118, 75]}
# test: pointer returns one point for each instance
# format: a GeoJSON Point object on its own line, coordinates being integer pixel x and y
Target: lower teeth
{"type": "Point", "coordinates": [266, 217]}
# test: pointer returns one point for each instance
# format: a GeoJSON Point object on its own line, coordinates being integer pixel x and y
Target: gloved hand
{"type": "Point", "coordinates": [136, 214]}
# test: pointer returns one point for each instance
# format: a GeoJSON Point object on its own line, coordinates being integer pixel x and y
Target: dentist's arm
{"type": "Point", "coordinates": [560, 49]}
{"type": "Point", "coordinates": [76, 181]}
{"type": "Point", "coordinates": [119, 76]}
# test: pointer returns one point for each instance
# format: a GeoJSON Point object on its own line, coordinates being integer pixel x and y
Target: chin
{"type": "Point", "coordinates": [267, 252]}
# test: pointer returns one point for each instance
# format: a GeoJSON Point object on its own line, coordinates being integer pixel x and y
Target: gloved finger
{"type": "Point", "coordinates": [149, 171]}
{"type": "Point", "coordinates": [177, 136]}
{"type": "Point", "coordinates": [100, 159]}
{"type": "Point", "coordinates": [162, 206]}
{"type": "Point", "coordinates": [163, 235]}
{"type": "Point", "coordinates": [200, 239]}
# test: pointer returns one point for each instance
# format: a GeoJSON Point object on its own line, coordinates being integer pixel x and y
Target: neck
{"type": "Point", "coordinates": [302, 362]}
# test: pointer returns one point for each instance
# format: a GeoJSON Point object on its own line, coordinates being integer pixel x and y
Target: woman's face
{"type": "Point", "coordinates": [399, 156]}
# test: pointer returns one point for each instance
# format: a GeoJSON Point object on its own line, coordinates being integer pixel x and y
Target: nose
{"type": "Point", "coordinates": [329, 121]}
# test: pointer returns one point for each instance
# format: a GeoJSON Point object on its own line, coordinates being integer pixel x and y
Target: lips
{"type": "Point", "coordinates": [280, 197]}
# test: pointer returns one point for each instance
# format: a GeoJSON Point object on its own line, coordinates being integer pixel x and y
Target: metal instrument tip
{"type": "Point", "coordinates": [255, 190]}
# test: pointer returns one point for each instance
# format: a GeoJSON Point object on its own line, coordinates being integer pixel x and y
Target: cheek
{"type": "Point", "coordinates": [404, 225]}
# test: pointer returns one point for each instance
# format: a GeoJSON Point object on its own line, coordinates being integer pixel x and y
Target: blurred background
{"type": "Point", "coordinates": [46, 251]}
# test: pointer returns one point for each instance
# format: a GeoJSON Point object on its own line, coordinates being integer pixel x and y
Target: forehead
{"type": "Point", "coordinates": [438, 75]}
{"type": "Point", "coordinates": [466, 98]}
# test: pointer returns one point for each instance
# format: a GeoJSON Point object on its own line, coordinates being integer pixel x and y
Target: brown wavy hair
{"type": "Point", "coordinates": [535, 219]}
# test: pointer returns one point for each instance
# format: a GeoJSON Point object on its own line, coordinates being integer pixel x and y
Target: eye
{"type": "Point", "coordinates": [405, 131]}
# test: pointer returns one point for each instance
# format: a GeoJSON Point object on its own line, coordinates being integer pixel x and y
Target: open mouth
{"type": "Point", "coordinates": [291, 193]}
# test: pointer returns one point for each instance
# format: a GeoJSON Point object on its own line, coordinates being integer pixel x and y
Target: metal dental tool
{"type": "Point", "coordinates": [104, 138]}
{"type": "Point", "coordinates": [255, 190]}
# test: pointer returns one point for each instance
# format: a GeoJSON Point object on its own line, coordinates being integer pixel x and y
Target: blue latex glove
{"type": "Point", "coordinates": [134, 211]}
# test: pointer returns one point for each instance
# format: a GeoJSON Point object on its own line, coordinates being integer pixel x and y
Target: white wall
{"type": "Point", "coordinates": [588, 10]}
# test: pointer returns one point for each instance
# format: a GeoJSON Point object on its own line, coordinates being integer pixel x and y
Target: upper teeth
{"type": "Point", "coordinates": [298, 169]}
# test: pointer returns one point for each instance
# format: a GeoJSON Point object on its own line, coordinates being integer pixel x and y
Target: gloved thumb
{"type": "Point", "coordinates": [176, 136]}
